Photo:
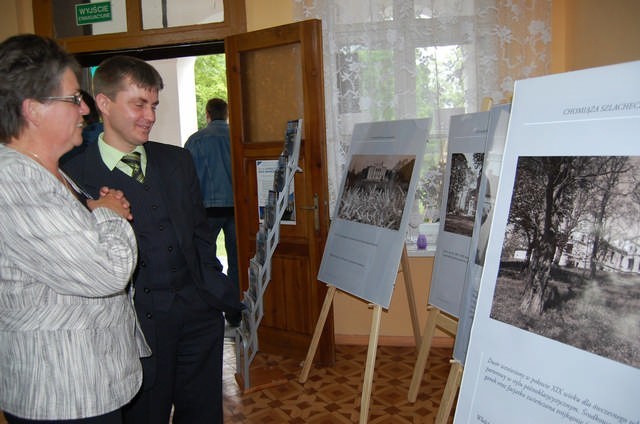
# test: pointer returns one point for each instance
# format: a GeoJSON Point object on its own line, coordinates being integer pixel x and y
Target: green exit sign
{"type": "Point", "coordinates": [90, 13]}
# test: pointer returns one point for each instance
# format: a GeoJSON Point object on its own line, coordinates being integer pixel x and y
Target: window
{"type": "Point", "coordinates": [392, 67]}
{"type": "Point", "coordinates": [172, 13]}
{"type": "Point", "coordinates": [404, 59]}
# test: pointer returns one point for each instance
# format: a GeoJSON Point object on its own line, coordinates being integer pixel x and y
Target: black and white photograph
{"type": "Point", "coordinates": [462, 196]}
{"type": "Point", "coordinates": [375, 190]}
{"type": "Point", "coordinates": [570, 262]}
{"type": "Point", "coordinates": [371, 214]}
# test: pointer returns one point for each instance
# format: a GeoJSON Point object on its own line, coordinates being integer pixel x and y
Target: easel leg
{"type": "Point", "coordinates": [408, 283]}
{"type": "Point", "coordinates": [371, 362]}
{"type": "Point", "coordinates": [423, 354]}
{"type": "Point", "coordinates": [322, 319]}
{"type": "Point", "coordinates": [450, 391]}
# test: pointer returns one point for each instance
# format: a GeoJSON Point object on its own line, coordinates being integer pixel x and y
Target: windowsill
{"type": "Point", "coordinates": [412, 251]}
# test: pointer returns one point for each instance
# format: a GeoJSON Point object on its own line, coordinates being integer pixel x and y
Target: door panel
{"type": "Point", "coordinates": [280, 94]}
{"type": "Point", "coordinates": [275, 75]}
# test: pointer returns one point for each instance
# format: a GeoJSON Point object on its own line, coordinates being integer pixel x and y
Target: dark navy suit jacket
{"type": "Point", "coordinates": [181, 194]}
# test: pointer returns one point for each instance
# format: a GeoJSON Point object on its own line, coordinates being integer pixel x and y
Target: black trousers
{"type": "Point", "coordinates": [188, 372]}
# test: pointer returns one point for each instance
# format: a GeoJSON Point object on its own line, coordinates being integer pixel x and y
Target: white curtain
{"type": "Point", "coordinates": [403, 59]}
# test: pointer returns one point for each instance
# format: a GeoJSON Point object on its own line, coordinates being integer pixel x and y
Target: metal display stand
{"type": "Point", "coordinates": [246, 337]}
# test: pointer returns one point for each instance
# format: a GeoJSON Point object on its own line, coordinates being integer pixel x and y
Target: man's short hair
{"type": "Point", "coordinates": [217, 109]}
{"type": "Point", "coordinates": [114, 73]}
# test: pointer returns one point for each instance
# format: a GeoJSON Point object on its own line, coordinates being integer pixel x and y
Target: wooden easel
{"type": "Point", "coordinates": [437, 319]}
{"type": "Point", "coordinates": [450, 391]}
{"type": "Point", "coordinates": [373, 337]}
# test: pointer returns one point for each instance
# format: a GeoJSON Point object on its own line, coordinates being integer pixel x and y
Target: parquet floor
{"type": "Point", "coordinates": [332, 395]}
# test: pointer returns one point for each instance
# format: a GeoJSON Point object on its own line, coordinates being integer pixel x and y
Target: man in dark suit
{"type": "Point", "coordinates": [180, 291]}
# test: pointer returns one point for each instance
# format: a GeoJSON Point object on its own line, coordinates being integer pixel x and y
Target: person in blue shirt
{"type": "Point", "coordinates": [211, 151]}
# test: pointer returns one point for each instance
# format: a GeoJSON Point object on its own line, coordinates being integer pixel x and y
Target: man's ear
{"type": "Point", "coordinates": [102, 103]}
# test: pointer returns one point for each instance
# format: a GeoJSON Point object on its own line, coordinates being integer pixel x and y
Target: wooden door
{"type": "Point", "coordinates": [275, 75]}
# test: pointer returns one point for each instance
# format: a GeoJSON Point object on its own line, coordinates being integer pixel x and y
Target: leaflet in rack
{"type": "Point", "coordinates": [267, 239]}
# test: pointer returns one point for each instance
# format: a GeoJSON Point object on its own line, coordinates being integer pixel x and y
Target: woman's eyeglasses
{"type": "Point", "coordinates": [76, 99]}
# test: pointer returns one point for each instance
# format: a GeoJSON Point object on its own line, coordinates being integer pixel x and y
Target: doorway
{"type": "Point", "coordinates": [295, 297]}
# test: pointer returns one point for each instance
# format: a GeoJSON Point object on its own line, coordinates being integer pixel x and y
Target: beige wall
{"type": "Point", "coordinates": [265, 14]}
{"type": "Point", "coordinates": [588, 33]}
{"type": "Point", "coordinates": [16, 18]}
{"type": "Point", "coordinates": [352, 316]}
{"type": "Point", "coordinates": [585, 33]}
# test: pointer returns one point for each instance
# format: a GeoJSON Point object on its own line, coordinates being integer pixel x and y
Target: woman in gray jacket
{"type": "Point", "coordinates": [69, 348]}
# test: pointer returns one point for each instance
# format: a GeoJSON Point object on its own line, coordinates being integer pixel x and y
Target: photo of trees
{"type": "Point", "coordinates": [462, 196]}
{"type": "Point", "coordinates": [570, 261]}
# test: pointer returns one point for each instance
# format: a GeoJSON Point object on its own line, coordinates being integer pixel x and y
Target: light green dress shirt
{"type": "Point", "coordinates": [111, 157]}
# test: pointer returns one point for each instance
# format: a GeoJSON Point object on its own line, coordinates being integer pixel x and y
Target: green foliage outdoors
{"type": "Point", "coordinates": [211, 81]}
{"type": "Point", "coordinates": [439, 76]}
{"type": "Point", "coordinates": [378, 77]}
{"type": "Point", "coordinates": [439, 83]}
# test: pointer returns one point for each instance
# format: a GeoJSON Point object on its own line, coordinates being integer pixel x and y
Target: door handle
{"type": "Point", "coordinates": [316, 211]}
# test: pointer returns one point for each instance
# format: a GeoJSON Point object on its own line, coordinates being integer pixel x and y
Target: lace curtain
{"type": "Point", "coordinates": [404, 59]}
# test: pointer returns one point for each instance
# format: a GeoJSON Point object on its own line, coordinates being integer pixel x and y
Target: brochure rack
{"type": "Point", "coordinates": [246, 337]}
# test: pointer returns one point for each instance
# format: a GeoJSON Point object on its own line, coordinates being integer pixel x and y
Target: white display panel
{"type": "Point", "coordinates": [569, 179]}
{"type": "Point", "coordinates": [466, 147]}
{"type": "Point", "coordinates": [368, 230]}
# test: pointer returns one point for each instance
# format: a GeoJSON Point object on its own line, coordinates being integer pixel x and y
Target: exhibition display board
{"type": "Point", "coordinates": [496, 135]}
{"type": "Point", "coordinates": [366, 238]}
{"type": "Point", "coordinates": [465, 157]}
{"type": "Point", "coordinates": [461, 258]}
{"type": "Point", "coordinates": [369, 225]}
{"type": "Point", "coordinates": [556, 334]}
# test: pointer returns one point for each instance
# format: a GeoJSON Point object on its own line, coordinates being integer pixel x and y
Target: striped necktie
{"type": "Point", "coordinates": [133, 161]}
